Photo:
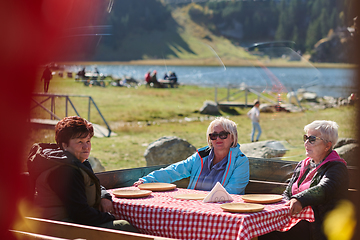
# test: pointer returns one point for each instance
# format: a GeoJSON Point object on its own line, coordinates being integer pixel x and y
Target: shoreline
{"type": "Point", "coordinates": [211, 62]}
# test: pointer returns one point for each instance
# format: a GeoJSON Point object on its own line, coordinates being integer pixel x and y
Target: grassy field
{"type": "Point", "coordinates": [143, 115]}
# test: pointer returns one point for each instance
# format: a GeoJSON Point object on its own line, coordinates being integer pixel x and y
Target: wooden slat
{"type": "Point", "coordinates": [260, 169]}
{"type": "Point", "coordinates": [235, 104]}
{"type": "Point", "coordinates": [66, 230]}
{"type": "Point", "coordinates": [124, 177]}
{"type": "Point", "coordinates": [353, 171]}
{"type": "Point", "coordinates": [256, 186]}
{"type": "Point", "coordinates": [270, 169]}
{"type": "Point", "coordinates": [20, 235]}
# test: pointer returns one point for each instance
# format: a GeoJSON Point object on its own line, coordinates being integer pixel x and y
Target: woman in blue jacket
{"type": "Point", "coordinates": [221, 161]}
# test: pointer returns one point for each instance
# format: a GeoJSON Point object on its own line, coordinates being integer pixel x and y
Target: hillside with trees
{"type": "Point", "coordinates": [154, 29]}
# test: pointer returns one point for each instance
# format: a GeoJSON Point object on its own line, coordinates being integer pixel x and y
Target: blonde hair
{"type": "Point", "coordinates": [227, 125]}
{"type": "Point", "coordinates": [328, 130]}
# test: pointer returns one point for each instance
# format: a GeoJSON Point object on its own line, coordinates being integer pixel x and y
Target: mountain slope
{"type": "Point", "coordinates": [182, 39]}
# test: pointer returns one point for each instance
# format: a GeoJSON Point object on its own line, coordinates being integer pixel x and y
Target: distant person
{"type": "Point", "coordinates": [221, 161]}
{"type": "Point", "coordinates": [81, 74]}
{"type": "Point", "coordinates": [154, 80]}
{"type": "Point", "coordinates": [96, 71]}
{"type": "Point", "coordinates": [166, 77]}
{"type": "Point", "coordinates": [66, 188]}
{"type": "Point", "coordinates": [148, 78]}
{"type": "Point", "coordinates": [47, 76]}
{"type": "Point", "coordinates": [173, 78]}
{"type": "Point", "coordinates": [254, 115]}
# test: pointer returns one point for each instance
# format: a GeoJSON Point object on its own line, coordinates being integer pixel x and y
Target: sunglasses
{"type": "Point", "coordinates": [221, 135]}
{"type": "Point", "coordinates": [311, 138]}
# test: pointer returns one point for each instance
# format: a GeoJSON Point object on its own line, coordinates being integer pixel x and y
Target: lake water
{"type": "Point", "coordinates": [334, 82]}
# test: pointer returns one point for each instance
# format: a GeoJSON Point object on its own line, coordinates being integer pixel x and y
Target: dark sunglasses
{"type": "Point", "coordinates": [221, 135]}
{"type": "Point", "coordinates": [311, 138]}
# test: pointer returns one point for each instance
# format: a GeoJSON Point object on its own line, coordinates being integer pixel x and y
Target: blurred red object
{"type": "Point", "coordinates": [32, 32]}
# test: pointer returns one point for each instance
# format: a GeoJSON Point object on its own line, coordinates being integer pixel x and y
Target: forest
{"type": "Point", "coordinates": [142, 29]}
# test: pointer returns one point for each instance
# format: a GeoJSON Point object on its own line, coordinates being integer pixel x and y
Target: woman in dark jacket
{"type": "Point", "coordinates": [66, 187]}
{"type": "Point", "coordinates": [319, 181]}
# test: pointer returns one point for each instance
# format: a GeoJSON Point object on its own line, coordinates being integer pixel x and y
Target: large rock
{"type": "Point", "coordinates": [348, 149]}
{"type": "Point", "coordinates": [349, 153]}
{"type": "Point", "coordinates": [210, 107]}
{"type": "Point", "coordinates": [264, 149]}
{"type": "Point", "coordinates": [267, 108]}
{"type": "Point", "coordinates": [344, 141]}
{"type": "Point", "coordinates": [96, 164]}
{"type": "Point", "coordinates": [308, 97]}
{"type": "Point", "coordinates": [167, 150]}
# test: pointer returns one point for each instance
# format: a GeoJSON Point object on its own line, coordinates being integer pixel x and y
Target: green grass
{"type": "Point", "coordinates": [141, 116]}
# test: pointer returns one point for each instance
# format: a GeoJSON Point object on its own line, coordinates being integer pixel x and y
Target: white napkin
{"type": "Point", "coordinates": [218, 194]}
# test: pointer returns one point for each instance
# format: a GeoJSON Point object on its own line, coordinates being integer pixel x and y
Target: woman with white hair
{"type": "Point", "coordinates": [319, 181]}
{"type": "Point", "coordinates": [221, 161]}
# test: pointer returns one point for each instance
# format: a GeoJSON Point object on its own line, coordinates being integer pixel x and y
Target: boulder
{"type": "Point", "coordinates": [267, 108]}
{"type": "Point", "coordinates": [308, 97]}
{"type": "Point", "coordinates": [96, 164]}
{"type": "Point", "coordinates": [349, 153]}
{"type": "Point", "coordinates": [343, 141]}
{"type": "Point", "coordinates": [210, 107]}
{"type": "Point", "coordinates": [264, 149]}
{"type": "Point", "coordinates": [168, 150]}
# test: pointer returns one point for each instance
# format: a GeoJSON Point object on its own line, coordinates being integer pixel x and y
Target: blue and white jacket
{"type": "Point", "coordinates": [235, 178]}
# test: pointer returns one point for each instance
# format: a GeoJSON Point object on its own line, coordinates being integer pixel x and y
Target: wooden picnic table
{"type": "Point", "coordinates": [160, 214]}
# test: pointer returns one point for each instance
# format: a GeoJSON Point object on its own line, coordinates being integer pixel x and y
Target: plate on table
{"type": "Point", "coordinates": [262, 198]}
{"type": "Point", "coordinates": [242, 207]}
{"type": "Point", "coordinates": [191, 196]}
{"type": "Point", "coordinates": [122, 193]}
{"type": "Point", "coordinates": [157, 187]}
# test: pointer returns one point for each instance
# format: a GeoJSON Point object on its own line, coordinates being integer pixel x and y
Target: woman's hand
{"type": "Point", "coordinates": [106, 206]}
{"type": "Point", "coordinates": [295, 206]}
{"type": "Point", "coordinates": [140, 181]}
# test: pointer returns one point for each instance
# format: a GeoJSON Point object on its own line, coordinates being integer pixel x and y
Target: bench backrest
{"type": "Point", "coordinates": [260, 169]}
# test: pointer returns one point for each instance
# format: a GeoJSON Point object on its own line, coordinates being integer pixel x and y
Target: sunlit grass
{"type": "Point", "coordinates": [141, 116]}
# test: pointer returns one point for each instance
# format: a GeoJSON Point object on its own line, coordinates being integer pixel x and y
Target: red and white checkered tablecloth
{"type": "Point", "coordinates": [162, 215]}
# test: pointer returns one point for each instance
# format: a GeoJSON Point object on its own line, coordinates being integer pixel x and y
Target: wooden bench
{"type": "Point", "coordinates": [38, 228]}
{"type": "Point", "coordinates": [261, 169]}
{"type": "Point", "coordinates": [266, 176]}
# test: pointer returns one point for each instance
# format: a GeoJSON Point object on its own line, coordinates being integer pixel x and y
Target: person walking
{"type": "Point", "coordinates": [254, 115]}
{"type": "Point", "coordinates": [47, 76]}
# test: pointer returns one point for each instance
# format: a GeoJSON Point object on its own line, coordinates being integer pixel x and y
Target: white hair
{"type": "Point", "coordinates": [328, 130]}
{"type": "Point", "coordinates": [227, 125]}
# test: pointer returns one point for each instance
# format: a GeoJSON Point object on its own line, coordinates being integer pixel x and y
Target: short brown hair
{"type": "Point", "coordinates": [72, 127]}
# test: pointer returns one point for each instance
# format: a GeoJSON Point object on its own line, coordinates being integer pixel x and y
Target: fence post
{"type": "Point", "coordinates": [52, 107]}
{"type": "Point", "coordinates": [52, 97]}
{"type": "Point", "coordinates": [246, 95]}
{"type": "Point", "coordinates": [89, 109]}
{"type": "Point", "coordinates": [215, 94]}
{"type": "Point", "coordinates": [228, 93]}
{"type": "Point", "coordinates": [66, 105]}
